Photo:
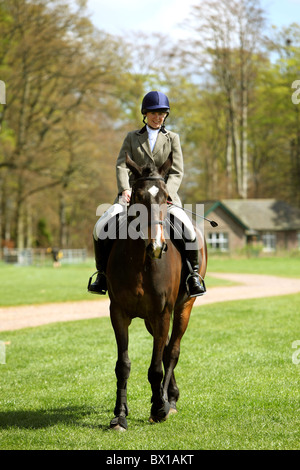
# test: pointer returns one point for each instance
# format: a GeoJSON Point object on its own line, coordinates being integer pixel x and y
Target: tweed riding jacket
{"type": "Point", "coordinates": [136, 144]}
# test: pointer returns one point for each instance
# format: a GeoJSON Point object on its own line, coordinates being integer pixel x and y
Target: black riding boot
{"type": "Point", "coordinates": [99, 286]}
{"type": "Point", "coordinates": [194, 286]}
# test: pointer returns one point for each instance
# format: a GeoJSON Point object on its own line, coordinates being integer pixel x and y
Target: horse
{"type": "Point", "coordinates": [146, 279]}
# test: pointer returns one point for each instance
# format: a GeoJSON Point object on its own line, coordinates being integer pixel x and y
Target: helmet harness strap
{"type": "Point", "coordinates": [163, 124]}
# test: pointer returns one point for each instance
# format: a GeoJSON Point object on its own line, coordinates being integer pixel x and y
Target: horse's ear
{"type": "Point", "coordinates": [133, 167]}
{"type": "Point", "coordinates": [166, 166]}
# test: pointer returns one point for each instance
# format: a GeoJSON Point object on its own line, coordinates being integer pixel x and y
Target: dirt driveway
{"type": "Point", "coordinates": [250, 286]}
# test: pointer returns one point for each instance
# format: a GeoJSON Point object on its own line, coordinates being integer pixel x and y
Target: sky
{"type": "Point", "coordinates": [119, 17]}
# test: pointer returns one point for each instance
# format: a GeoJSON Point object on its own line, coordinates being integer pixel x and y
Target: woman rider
{"type": "Point", "coordinates": [153, 143]}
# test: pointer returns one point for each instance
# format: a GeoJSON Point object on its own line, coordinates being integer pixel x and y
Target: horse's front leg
{"type": "Point", "coordinates": [160, 406]}
{"type": "Point", "coordinates": [120, 324]}
{"type": "Point", "coordinates": [172, 351]}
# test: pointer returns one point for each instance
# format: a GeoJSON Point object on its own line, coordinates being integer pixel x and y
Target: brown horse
{"type": "Point", "coordinates": [146, 279]}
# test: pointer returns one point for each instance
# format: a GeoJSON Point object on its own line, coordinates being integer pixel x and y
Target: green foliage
{"type": "Point", "coordinates": [61, 101]}
{"type": "Point", "coordinates": [44, 237]}
{"type": "Point", "coordinates": [73, 92]}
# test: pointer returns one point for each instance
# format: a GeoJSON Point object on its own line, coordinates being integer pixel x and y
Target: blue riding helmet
{"type": "Point", "coordinates": [155, 100]}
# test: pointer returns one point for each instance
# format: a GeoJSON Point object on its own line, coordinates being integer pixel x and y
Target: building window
{"type": "Point", "coordinates": [269, 241]}
{"type": "Point", "coordinates": [218, 241]}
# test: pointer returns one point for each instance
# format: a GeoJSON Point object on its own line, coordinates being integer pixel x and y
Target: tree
{"type": "Point", "coordinates": [57, 67]}
{"type": "Point", "coordinates": [287, 44]}
{"type": "Point", "coordinates": [229, 33]}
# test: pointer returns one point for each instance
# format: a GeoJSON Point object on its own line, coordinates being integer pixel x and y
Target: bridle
{"type": "Point", "coordinates": [164, 246]}
{"type": "Point", "coordinates": [149, 178]}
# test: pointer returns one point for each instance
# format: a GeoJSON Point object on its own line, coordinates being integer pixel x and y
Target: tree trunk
{"type": "Point", "coordinates": [20, 227]}
{"type": "Point", "coordinates": [29, 234]}
{"type": "Point", "coordinates": [235, 142]}
{"type": "Point", "coordinates": [244, 156]}
{"type": "Point", "coordinates": [228, 160]}
{"type": "Point", "coordinates": [62, 222]}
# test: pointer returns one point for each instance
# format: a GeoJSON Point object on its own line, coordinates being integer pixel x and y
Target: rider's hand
{"type": "Point", "coordinates": [126, 195]}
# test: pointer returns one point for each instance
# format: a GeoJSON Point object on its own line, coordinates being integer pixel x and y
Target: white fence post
{"type": "Point", "coordinates": [28, 256]}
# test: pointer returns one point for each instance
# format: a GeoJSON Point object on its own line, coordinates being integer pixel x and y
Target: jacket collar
{"type": "Point", "coordinates": [141, 131]}
{"type": "Point", "coordinates": [144, 141]}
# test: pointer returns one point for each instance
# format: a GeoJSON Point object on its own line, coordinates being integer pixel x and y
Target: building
{"type": "Point", "coordinates": [267, 224]}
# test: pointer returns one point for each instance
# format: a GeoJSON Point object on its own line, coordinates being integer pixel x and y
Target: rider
{"type": "Point", "coordinates": [152, 143]}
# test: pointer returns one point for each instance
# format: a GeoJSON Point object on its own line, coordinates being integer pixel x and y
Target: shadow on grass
{"type": "Point", "coordinates": [76, 416]}
{"type": "Point", "coordinates": [44, 418]}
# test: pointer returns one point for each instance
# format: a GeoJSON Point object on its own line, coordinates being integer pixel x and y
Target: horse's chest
{"type": "Point", "coordinates": [143, 297]}
{"type": "Point", "coordinates": [138, 289]}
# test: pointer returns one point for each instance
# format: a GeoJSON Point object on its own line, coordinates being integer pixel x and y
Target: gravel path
{"type": "Point", "coordinates": [251, 286]}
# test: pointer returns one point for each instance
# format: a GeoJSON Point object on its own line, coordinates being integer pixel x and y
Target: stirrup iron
{"type": "Point", "coordinates": [201, 282]}
{"type": "Point", "coordinates": [100, 292]}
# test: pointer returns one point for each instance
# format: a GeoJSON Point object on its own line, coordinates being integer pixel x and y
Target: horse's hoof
{"type": "Point", "coordinates": [173, 408]}
{"type": "Point", "coordinates": [157, 419]}
{"type": "Point", "coordinates": [119, 423]}
{"type": "Point", "coordinates": [161, 414]}
{"type": "Point", "coordinates": [118, 428]}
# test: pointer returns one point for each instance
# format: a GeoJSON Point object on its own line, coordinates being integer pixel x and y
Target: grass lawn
{"type": "Point", "coordinates": [34, 285]}
{"type": "Point", "coordinates": [239, 386]}
{"type": "Point", "coordinates": [21, 285]}
{"type": "Point", "coordinates": [274, 266]}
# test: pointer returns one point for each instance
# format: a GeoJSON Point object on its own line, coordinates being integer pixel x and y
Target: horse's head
{"type": "Point", "coordinates": [149, 190]}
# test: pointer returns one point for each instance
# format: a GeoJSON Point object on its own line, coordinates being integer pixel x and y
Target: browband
{"type": "Point", "coordinates": [148, 178]}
